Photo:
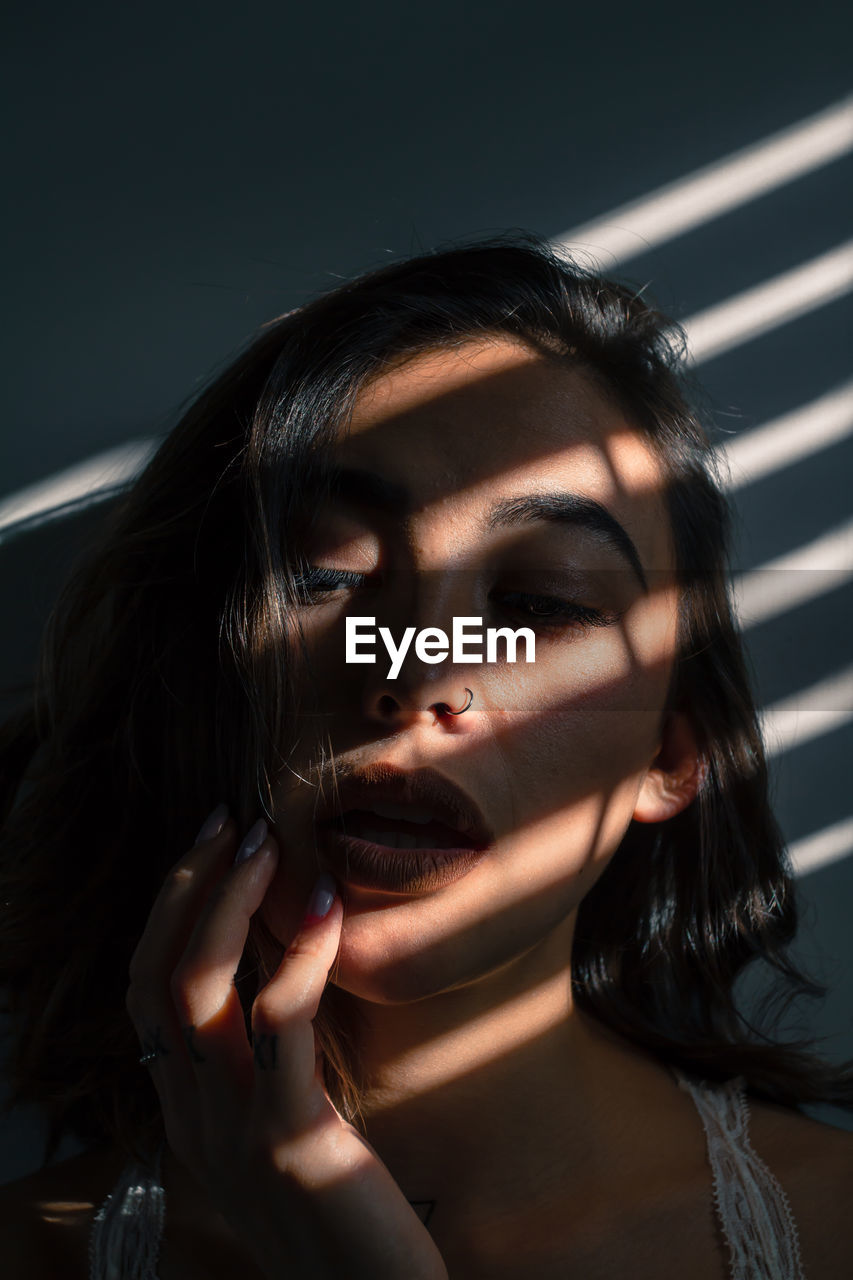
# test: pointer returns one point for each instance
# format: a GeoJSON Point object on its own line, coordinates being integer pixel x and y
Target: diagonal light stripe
{"type": "Point", "coordinates": [823, 848]}
{"type": "Point", "coordinates": [709, 333]}
{"type": "Point", "coordinates": [760, 452]}
{"type": "Point", "coordinates": [727, 184]}
{"type": "Point", "coordinates": [747, 458]}
{"type": "Point", "coordinates": [809, 713]}
{"type": "Point", "coordinates": [790, 580]}
{"type": "Point", "coordinates": [712, 332]}
{"type": "Point", "coordinates": [96, 477]}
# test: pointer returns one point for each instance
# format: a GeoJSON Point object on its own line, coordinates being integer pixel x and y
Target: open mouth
{"type": "Point", "coordinates": [382, 827]}
{"type": "Point", "coordinates": [401, 831]}
{"type": "Point", "coordinates": [397, 855]}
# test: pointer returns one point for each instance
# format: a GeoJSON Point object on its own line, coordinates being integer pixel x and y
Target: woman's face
{"type": "Point", "coordinates": [554, 753]}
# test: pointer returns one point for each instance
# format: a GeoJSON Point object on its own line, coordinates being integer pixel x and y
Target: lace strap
{"type": "Point", "coordinates": [752, 1208]}
{"type": "Point", "coordinates": [128, 1227]}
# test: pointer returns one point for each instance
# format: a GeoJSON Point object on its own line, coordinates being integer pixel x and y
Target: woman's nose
{"type": "Point", "coordinates": [422, 690]}
{"type": "Point", "coordinates": [408, 701]}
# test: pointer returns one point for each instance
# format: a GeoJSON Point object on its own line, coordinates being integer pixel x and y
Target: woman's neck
{"type": "Point", "coordinates": [433, 1045]}
{"type": "Point", "coordinates": [493, 1075]}
{"type": "Point", "coordinates": [483, 1097]}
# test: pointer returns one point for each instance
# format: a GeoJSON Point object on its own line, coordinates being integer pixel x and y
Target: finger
{"type": "Point", "coordinates": [286, 1086]}
{"type": "Point", "coordinates": [149, 1002]}
{"type": "Point", "coordinates": [182, 895]}
{"type": "Point", "coordinates": [203, 981]}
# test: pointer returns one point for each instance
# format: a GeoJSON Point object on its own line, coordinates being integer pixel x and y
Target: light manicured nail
{"type": "Point", "coordinates": [213, 824]}
{"type": "Point", "coordinates": [252, 841]}
{"type": "Point", "coordinates": [322, 897]}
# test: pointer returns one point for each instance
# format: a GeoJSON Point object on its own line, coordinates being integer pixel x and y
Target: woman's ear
{"type": "Point", "coordinates": [675, 774]}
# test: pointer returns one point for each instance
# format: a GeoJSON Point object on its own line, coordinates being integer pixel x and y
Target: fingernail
{"type": "Point", "coordinates": [213, 824]}
{"type": "Point", "coordinates": [252, 841]}
{"type": "Point", "coordinates": [320, 902]}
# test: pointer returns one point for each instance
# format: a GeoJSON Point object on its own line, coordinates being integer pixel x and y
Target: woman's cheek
{"type": "Point", "coordinates": [599, 705]}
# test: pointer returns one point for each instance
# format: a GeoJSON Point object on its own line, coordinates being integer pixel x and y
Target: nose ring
{"type": "Point", "coordinates": [461, 710]}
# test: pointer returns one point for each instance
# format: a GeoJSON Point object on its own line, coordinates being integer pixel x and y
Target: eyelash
{"type": "Point", "coordinates": [317, 582]}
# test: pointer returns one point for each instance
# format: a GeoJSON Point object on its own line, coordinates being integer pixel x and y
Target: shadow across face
{"type": "Point", "coordinates": [485, 482]}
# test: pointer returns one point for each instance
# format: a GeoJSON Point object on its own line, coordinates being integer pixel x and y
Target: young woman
{"type": "Point", "coordinates": [445, 985]}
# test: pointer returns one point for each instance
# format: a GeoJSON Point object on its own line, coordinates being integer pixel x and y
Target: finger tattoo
{"type": "Point", "coordinates": [189, 1039]}
{"type": "Point", "coordinates": [265, 1050]}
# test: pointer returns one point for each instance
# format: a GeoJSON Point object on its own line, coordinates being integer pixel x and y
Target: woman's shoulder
{"type": "Point", "coordinates": [45, 1218]}
{"type": "Point", "coordinates": [801, 1144]}
{"type": "Point", "coordinates": [813, 1163]}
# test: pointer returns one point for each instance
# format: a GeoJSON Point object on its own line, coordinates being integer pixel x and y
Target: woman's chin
{"type": "Point", "coordinates": [394, 966]}
{"type": "Point", "coordinates": [400, 981]}
{"type": "Point", "coordinates": [387, 962]}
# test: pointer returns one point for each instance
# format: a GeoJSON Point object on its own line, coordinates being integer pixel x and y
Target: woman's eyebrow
{"type": "Point", "coordinates": [367, 490]}
{"type": "Point", "coordinates": [572, 509]}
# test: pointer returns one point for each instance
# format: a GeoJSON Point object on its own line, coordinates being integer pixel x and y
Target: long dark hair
{"type": "Point", "coordinates": [165, 686]}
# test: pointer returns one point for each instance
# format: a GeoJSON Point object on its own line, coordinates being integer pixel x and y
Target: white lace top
{"type": "Point", "coordinates": [752, 1208]}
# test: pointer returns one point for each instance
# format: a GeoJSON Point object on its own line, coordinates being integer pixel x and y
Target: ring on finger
{"type": "Point", "coordinates": [153, 1047]}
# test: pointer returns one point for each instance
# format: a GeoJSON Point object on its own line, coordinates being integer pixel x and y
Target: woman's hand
{"type": "Point", "coordinates": [301, 1188]}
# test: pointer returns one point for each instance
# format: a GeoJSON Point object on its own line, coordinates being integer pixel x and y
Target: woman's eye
{"type": "Point", "coordinates": [311, 582]}
{"type": "Point", "coordinates": [553, 612]}
{"type": "Point", "coordinates": [548, 612]}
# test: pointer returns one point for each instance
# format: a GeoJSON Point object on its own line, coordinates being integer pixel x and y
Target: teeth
{"type": "Point", "coordinates": [397, 839]}
{"type": "Point", "coordinates": [397, 811]}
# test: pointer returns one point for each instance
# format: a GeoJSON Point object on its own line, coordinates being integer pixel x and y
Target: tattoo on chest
{"type": "Point", "coordinates": [423, 1208]}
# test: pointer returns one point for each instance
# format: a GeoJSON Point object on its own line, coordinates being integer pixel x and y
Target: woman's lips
{"type": "Point", "coordinates": [402, 831]}
{"type": "Point", "coordinates": [356, 854]}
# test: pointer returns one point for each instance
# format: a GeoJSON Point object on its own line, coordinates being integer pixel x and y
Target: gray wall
{"type": "Point", "coordinates": [180, 173]}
